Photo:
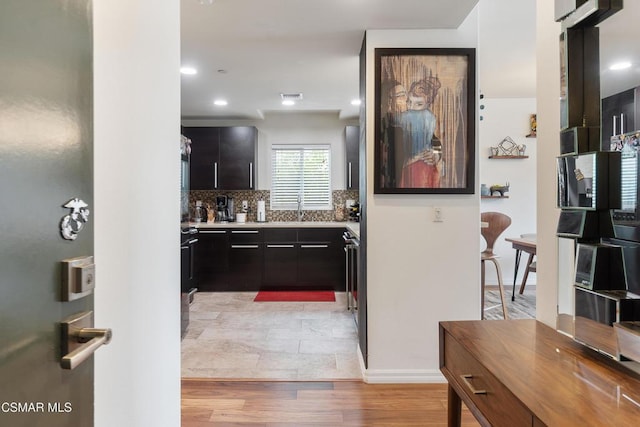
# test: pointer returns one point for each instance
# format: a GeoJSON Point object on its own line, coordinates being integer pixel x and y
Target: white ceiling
{"type": "Point", "coordinates": [268, 47]}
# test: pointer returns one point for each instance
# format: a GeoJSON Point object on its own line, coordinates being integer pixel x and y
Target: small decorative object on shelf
{"type": "Point", "coordinates": [484, 190]}
{"type": "Point", "coordinates": [533, 126]}
{"type": "Point", "coordinates": [501, 189]}
{"type": "Point", "coordinates": [508, 148]}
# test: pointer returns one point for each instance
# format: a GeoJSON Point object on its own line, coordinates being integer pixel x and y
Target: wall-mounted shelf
{"type": "Point", "coordinates": [508, 157]}
{"type": "Point", "coordinates": [494, 197]}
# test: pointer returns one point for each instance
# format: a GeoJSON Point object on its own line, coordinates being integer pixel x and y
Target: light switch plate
{"type": "Point", "coordinates": [78, 277]}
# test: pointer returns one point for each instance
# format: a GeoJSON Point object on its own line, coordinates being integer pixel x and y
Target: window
{"type": "Point", "coordinates": [300, 171]}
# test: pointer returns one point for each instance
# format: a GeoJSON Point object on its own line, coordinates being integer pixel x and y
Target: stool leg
{"type": "Point", "coordinates": [501, 287]}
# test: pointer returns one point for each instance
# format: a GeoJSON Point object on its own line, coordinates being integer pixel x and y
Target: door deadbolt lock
{"type": "Point", "coordinates": [78, 277]}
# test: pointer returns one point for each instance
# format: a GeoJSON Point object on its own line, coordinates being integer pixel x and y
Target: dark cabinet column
{"type": "Point", "coordinates": [352, 139]}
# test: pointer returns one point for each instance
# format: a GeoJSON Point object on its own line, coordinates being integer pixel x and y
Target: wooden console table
{"type": "Point", "coordinates": [523, 373]}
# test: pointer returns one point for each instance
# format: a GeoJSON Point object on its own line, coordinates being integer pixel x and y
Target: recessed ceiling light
{"type": "Point", "coordinates": [620, 66]}
{"type": "Point", "coordinates": [188, 70]}
{"type": "Point", "coordinates": [220, 102]}
{"type": "Point", "coordinates": [356, 102]}
{"type": "Point", "coordinates": [288, 102]}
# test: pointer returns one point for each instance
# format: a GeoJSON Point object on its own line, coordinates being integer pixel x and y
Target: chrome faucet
{"type": "Point", "coordinates": [300, 213]}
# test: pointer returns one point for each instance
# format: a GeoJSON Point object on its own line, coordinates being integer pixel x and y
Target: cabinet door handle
{"type": "Point", "coordinates": [614, 126]}
{"type": "Point", "coordinates": [215, 174]}
{"type": "Point", "coordinates": [313, 246]}
{"type": "Point", "coordinates": [212, 231]}
{"type": "Point", "coordinates": [349, 185]}
{"type": "Point", "coordinates": [250, 174]}
{"type": "Point", "coordinates": [465, 379]}
{"type": "Point", "coordinates": [621, 123]}
{"type": "Point", "coordinates": [280, 246]}
{"type": "Point", "coordinates": [244, 231]}
{"type": "Point", "coordinates": [244, 246]}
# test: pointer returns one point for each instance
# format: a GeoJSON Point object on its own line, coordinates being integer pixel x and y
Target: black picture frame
{"type": "Point", "coordinates": [425, 119]}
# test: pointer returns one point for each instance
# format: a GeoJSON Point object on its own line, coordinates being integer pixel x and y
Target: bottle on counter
{"type": "Point", "coordinates": [200, 212]}
{"type": "Point", "coordinates": [210, 214]}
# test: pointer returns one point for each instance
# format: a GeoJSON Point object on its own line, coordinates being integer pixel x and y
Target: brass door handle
{"type": "Point", "coordinates": [80, 339]}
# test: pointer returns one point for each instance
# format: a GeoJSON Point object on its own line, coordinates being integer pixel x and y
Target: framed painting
{"type": "Point", "coordinates": [424, 120]}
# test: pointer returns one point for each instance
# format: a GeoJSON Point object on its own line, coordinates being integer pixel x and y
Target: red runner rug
{"type": "Point", "coordinates": [297, 296]}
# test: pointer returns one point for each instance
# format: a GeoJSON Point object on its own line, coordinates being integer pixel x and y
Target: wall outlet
{"type": "Point", "coordinates": [437, 215]}
{"type": "Point", "coordinates": [245, 205]}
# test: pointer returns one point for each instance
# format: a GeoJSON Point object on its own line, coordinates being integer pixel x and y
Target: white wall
{"type": "Point", "coordinates": [137, 112]}
{"type": "Point", "coordinates": [294, 128]}
{"type": "Point", "coordinates": [418, 272]}
{"type": "Point", "coordinates": [501, 118]}
{"type": "Point", "coordinates": [548, 109]}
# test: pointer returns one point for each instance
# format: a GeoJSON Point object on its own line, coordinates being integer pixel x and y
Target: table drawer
{"type": "Point", "coordinates": [494, 400]}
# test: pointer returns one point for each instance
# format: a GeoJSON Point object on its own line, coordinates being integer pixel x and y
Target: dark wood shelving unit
{"type": "Point", "coordinates": [508, 157]}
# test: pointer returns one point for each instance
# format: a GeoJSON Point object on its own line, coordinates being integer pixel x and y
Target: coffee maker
{"type": "Point", "coordinates": [224, 209]}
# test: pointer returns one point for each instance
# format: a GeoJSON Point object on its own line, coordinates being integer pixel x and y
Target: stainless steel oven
{"type": "Point", "coordinates": [188, 285]}
{"type": "Point", "coordinates": [352, 257]}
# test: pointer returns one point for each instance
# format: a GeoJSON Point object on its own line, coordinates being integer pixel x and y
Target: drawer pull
{"type": "Point", "coordinates": [244, 231]}
{"type": "Point", "coordinates": [465, 379]}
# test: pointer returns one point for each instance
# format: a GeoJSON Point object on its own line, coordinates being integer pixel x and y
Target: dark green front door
{"type": "Point", "coordinates": [46, 160]}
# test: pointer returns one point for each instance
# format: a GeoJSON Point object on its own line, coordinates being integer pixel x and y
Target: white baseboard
{"type": "Point", "coordinates": [400, 376]}
{"type": "Point", "coordinates": [403, 376]}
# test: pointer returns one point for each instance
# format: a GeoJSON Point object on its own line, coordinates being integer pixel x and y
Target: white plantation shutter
{"type": "Point", "coordinates": [300, 170]}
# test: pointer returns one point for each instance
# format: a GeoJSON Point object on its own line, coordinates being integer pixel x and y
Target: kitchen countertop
{"type": "Point", "coordinates": [354, 227]}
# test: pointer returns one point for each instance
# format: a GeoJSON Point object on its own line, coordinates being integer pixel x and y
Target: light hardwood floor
{"type": "Point", "coordinates": [209, 403]}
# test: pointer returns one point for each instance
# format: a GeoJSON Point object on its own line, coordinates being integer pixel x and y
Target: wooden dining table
{"type": "Point", "coordinates": [522, 244]}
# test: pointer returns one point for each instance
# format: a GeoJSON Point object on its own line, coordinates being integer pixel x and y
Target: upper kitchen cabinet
{"type": "Point", "coordinates": [237, 158]}
{"type": "Point", "coordinates": [352, 138]}
{"type": "Point", "coordinates": [223, 158]}
{"type": "Point", "coordinates": [620, 114]}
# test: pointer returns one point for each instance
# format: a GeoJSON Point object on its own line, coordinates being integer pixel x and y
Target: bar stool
{"type": "Point", "coordinates": [496, 224]}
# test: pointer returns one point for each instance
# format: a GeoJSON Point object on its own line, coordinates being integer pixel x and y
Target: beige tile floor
{"type": "Point", "coordinates": [232, 337]}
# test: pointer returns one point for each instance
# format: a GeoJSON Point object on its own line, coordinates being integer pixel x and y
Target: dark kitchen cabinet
{"type": "Point", "coordinates": [223, 158]}
{"type": "Point", "coordinates": [237, 158]}
{"type": "Point", "coordinates": [620, 114]}
{"type": "Point", "coordinates": [212, 259]}
{"type": "Point", "coordinates": [251, 259]}
{"type": "Point", "coordinates": [205, 157]}
{"type": "Point", "coordinates": [245, 260]}
{"type": "Point", "coordinates": [280, 258]}
{"type": "Point", "coordinates": [321, 262]}
{"type": "Point", "coordinates": [352, 139]}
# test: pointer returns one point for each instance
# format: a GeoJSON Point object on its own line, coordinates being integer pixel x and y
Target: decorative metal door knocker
{"type": "Point", "coordinates": [72, 223]}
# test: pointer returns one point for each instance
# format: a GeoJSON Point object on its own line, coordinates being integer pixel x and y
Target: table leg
{"type": "Point", "coordinates": [515, 274]}
{"type": "Point", "coordinates": [454, 408]}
